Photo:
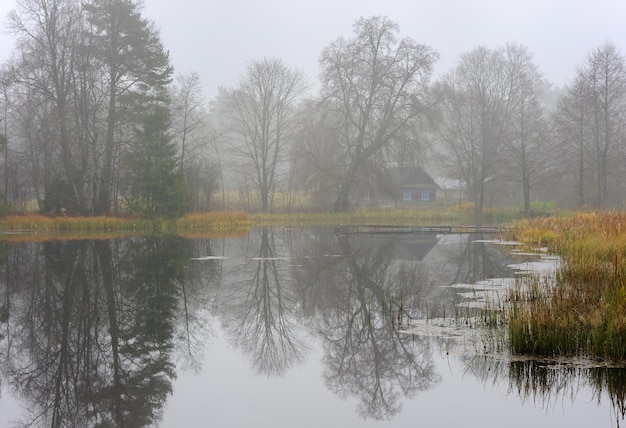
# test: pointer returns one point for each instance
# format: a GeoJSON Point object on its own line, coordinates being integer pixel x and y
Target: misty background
{"type": "Point", "coordinates": [505, 100]}
{"type": "Point", "coordinates": [218, 39]}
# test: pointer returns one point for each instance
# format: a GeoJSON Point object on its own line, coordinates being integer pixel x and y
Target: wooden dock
{"type": "Point", "coordinates": [433, 230]}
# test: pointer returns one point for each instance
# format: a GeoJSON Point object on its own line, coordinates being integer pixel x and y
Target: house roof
{"type": "Point", "coordinates": [450, 183]}
{"type": "Point", "coordinates": [411, 176]}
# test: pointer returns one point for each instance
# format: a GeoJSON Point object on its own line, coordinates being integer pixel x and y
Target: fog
{"type": "Point", "coordinates": [218, 39]}
{"type": "Point", "coordinates": [259, 105]}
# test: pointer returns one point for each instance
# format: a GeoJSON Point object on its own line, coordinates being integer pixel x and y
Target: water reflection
{"type": "Point", "coordinates": [361, 295]}
{"type": "Point", "coordinates": [91, 329]}
{"type": "Point", "coordinates": [92, 333]}
{"type": "Point", "coordinates": [546, 383]}
{"type": "Point", "coordinates": [199, 297]}
{"type": "Point", "coordinates": [260, 308]}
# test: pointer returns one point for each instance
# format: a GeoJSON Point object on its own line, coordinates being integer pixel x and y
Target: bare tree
{"type": "Point", "coordinates": [589, 123]}
{"type": "Point", "coordinates": [476, 118]}
{"type": "Point", "coordinates": [48, 38]}
{"type": "Point", "coordinates": [527, 154]}
{"type": "Point", "coordinates": [189, 116]}
{"type": "Point", "coordinates": [6, 80]}
{"type": "Point", "coordinates": [605, 74]}
{"type": "Point", "coordinates": [376, 85]}
{"type": "Point", "coordinates": [195, 138]}
{"type": "Point", "coordinates": [33, 126]}
{"type": "Point", "coordinates": [316, 165]}
{"type": "Point", "coordinates": [570, 124]}
{"type": "Point", "coordinates": [260, 114]}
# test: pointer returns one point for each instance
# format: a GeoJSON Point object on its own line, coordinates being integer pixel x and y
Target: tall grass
{"type": "Point", "coordinates": [213, 224]}
{"type": "Point", "coordinates": [33, 227]}
{"type": "Point", "coordinates": [40, 223]}
{"type": "Point", "coordinates": [387, 216]}
{"type": "Point", "coordinates": [584, 312]}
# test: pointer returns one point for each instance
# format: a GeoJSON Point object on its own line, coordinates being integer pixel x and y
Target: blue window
{"type": "Point", "coordinates": [406, 195]}
{"type": "Point", "coordinates": [425, 196]}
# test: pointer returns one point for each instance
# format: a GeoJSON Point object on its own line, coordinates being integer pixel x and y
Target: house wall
{"type": "Point", "coordinates": [417, 195]}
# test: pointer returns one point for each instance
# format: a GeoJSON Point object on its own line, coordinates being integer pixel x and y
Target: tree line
{"type": "Point", "coordinates": [95, 121]}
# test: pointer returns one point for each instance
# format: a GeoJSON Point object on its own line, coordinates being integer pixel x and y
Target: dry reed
{"type": "Point", "coordinates": [584, 312]}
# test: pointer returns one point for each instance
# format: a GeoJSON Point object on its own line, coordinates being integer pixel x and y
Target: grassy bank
{"type": "Point", "coordinates": [584, 312]}
{"type": "Point", "coordinates": [33, 227]}
{"type": "Point", "coordinates": [210, 223]}
{"type": "Point", "coordinates": [388, 216]}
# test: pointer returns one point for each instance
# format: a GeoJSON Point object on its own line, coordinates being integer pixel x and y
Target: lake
{"type": "Point", "coordinates": [301, 327]}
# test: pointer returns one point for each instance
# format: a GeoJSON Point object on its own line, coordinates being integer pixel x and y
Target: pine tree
{"type": "Point", "coordinates": [157, 186]}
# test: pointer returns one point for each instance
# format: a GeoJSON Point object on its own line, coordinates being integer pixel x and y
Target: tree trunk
{"type": "Point", "coordinates": [104, 197]}
{"type": "Point", "coordinates": [526, 186]}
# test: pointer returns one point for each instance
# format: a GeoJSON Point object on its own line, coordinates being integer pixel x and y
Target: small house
{"type": "Point", "coordinates": [402, 186]}
{"type": "Point", "coordinates": [451, 189]}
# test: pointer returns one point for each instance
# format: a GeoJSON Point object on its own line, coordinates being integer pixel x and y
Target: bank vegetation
{"type": "Point", "coordinates": [583, 313]}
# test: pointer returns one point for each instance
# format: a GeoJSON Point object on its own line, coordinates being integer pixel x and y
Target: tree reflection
{"type": "Point", "coordinates": [92, 334]}
{"type": "Point", "coordinates": [463, 259]}
{"type": "Point", "coordinates": [367, 292]}
{"type": "Point", "coordinates": [261, 307]}
{"type": "Point", "coordinates": [199, 295]}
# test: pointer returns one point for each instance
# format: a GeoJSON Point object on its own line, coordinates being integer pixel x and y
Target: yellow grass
{"type": "Point", "coordinates": [584, 313]}
{"type": "Point", "coordinates": [33, 227]}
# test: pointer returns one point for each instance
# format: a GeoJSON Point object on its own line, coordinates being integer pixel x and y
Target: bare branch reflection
{"type": "Point", "coordinates": [199, 295]}
{"type": "Point", "coordinates": [367, 293]}
{"type": "Point", "coordinates": [261, 309]}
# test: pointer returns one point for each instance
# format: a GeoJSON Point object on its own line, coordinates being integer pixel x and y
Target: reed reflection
{"type": "Point", "coordinates": [91, 331]}
{"type": "Point", "coordinates": [546, 383]}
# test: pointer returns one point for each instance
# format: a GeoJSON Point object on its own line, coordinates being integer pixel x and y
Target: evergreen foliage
{"type": "Point", "coordinates": [157, 186]}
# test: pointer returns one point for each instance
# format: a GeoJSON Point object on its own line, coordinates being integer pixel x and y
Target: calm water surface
{"type": "Point", "coordinates": [279, 328]}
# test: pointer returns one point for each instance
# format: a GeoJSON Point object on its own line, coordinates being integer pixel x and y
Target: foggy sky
{"type": "Point", "coordinates": [218, 39]}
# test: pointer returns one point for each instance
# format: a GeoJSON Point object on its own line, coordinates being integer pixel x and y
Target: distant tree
{"type": "Point", "coordinates": [590, 122]}
{"type": "Point", "coordinates": [157, 182]}
{"type": "Point", "coordinates": [526, 150]}
{"type": "Point", "coordinates": [194, 137]}
{"type": "Point", "coordinates": [477, 110]}
{"type": "Point", "coordinates": [605, 77]}
{"type": "Point", "coordinates": [49, 43]}
{"type": "Point", "coordinates": [201, 181]}
{"type": "Point", "coordinates": [570, 124]}
{"type": "Point", "coordinates": [376, 85]}
{"type": "Point", "coordinates": [316, 165]}
{"type": "Point", "coordinates": [189, 116]}
{"type": "Point", "coordinates": [137, 71]}
{"type": "Point", "coordinates": [259, 116]}
{"type": "Point", "coordinates": [33, 135]}
{"type": "Point", "coordinates": [6, 78]}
